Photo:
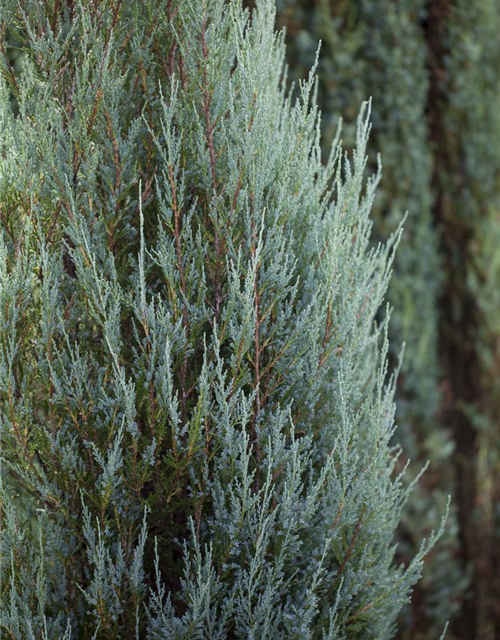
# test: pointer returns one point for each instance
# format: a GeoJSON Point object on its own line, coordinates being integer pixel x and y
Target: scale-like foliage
{"type": "Point", "coordinates": [379, 48]}
{"type": "Point", "coordinates": [194, 389]}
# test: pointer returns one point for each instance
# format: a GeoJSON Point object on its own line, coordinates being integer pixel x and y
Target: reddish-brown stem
{"type": "Point", "coordinates": [237, 192]}
{"type": "Point", "coordinates": [257, 349]}
{"type": "Point", "coordinates": [54, 16]}
{"type": "Point", "coordinates": [360, 612]}
{"type": "Point", "coordinates": [257, 372]}
{"type": "Point", "coordinates": [353, 542]}
{"type": "Point", "coordinates": [209, 134]}
{"type": "Point", "coordinates": [206, 106]}
{"type": "Point", "coordinates": [116, 152]}
{"type": "Point", "coordinates": [12, 74]}
{"type": "Point", "coordinates": [337, 516]}
{"type": "Point", "coordinates": [178, 251]}
{"type": "Point", "coordinates": [328, 326]}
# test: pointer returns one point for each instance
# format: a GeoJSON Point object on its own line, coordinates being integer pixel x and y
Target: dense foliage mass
{"type": "Point", "coordinates": [432, 69]}
{"type": "Point", "coordinates": [378, 48]}
{"type": "Point", "coordinates": [195, 399]}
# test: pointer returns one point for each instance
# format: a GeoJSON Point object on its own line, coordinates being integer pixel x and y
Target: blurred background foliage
{"type": "Point", "coordinates": [432, 69]}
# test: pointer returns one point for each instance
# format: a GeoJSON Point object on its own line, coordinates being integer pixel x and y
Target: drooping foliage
{"type": "Point", "coordinates": [195, 396]}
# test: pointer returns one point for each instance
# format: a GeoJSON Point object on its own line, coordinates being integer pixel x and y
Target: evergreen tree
{"type": "Point", "coordinates": [194, 391]}
{"type": "Point", "coordinates": [465, 59]}
{"type": "Point", "coordinates": [432, 69]}
{"type": "Point", "coordinates": [378, 48]}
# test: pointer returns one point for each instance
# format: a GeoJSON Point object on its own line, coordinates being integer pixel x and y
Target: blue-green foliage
{"type": "Point", "coordinates": [378, 48]}
{"type": "Point", "coordinates": [194, 389]}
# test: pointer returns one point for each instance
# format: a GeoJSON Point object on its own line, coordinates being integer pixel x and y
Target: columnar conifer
{"type": "Point", "coordinates": [464, 60]}
{"type": "Point", "coordinates": [378, 48]}
{"type": "Point", "coordinates": [194, 390]}
{"type": "Point", "coordinates": [432, 69]}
